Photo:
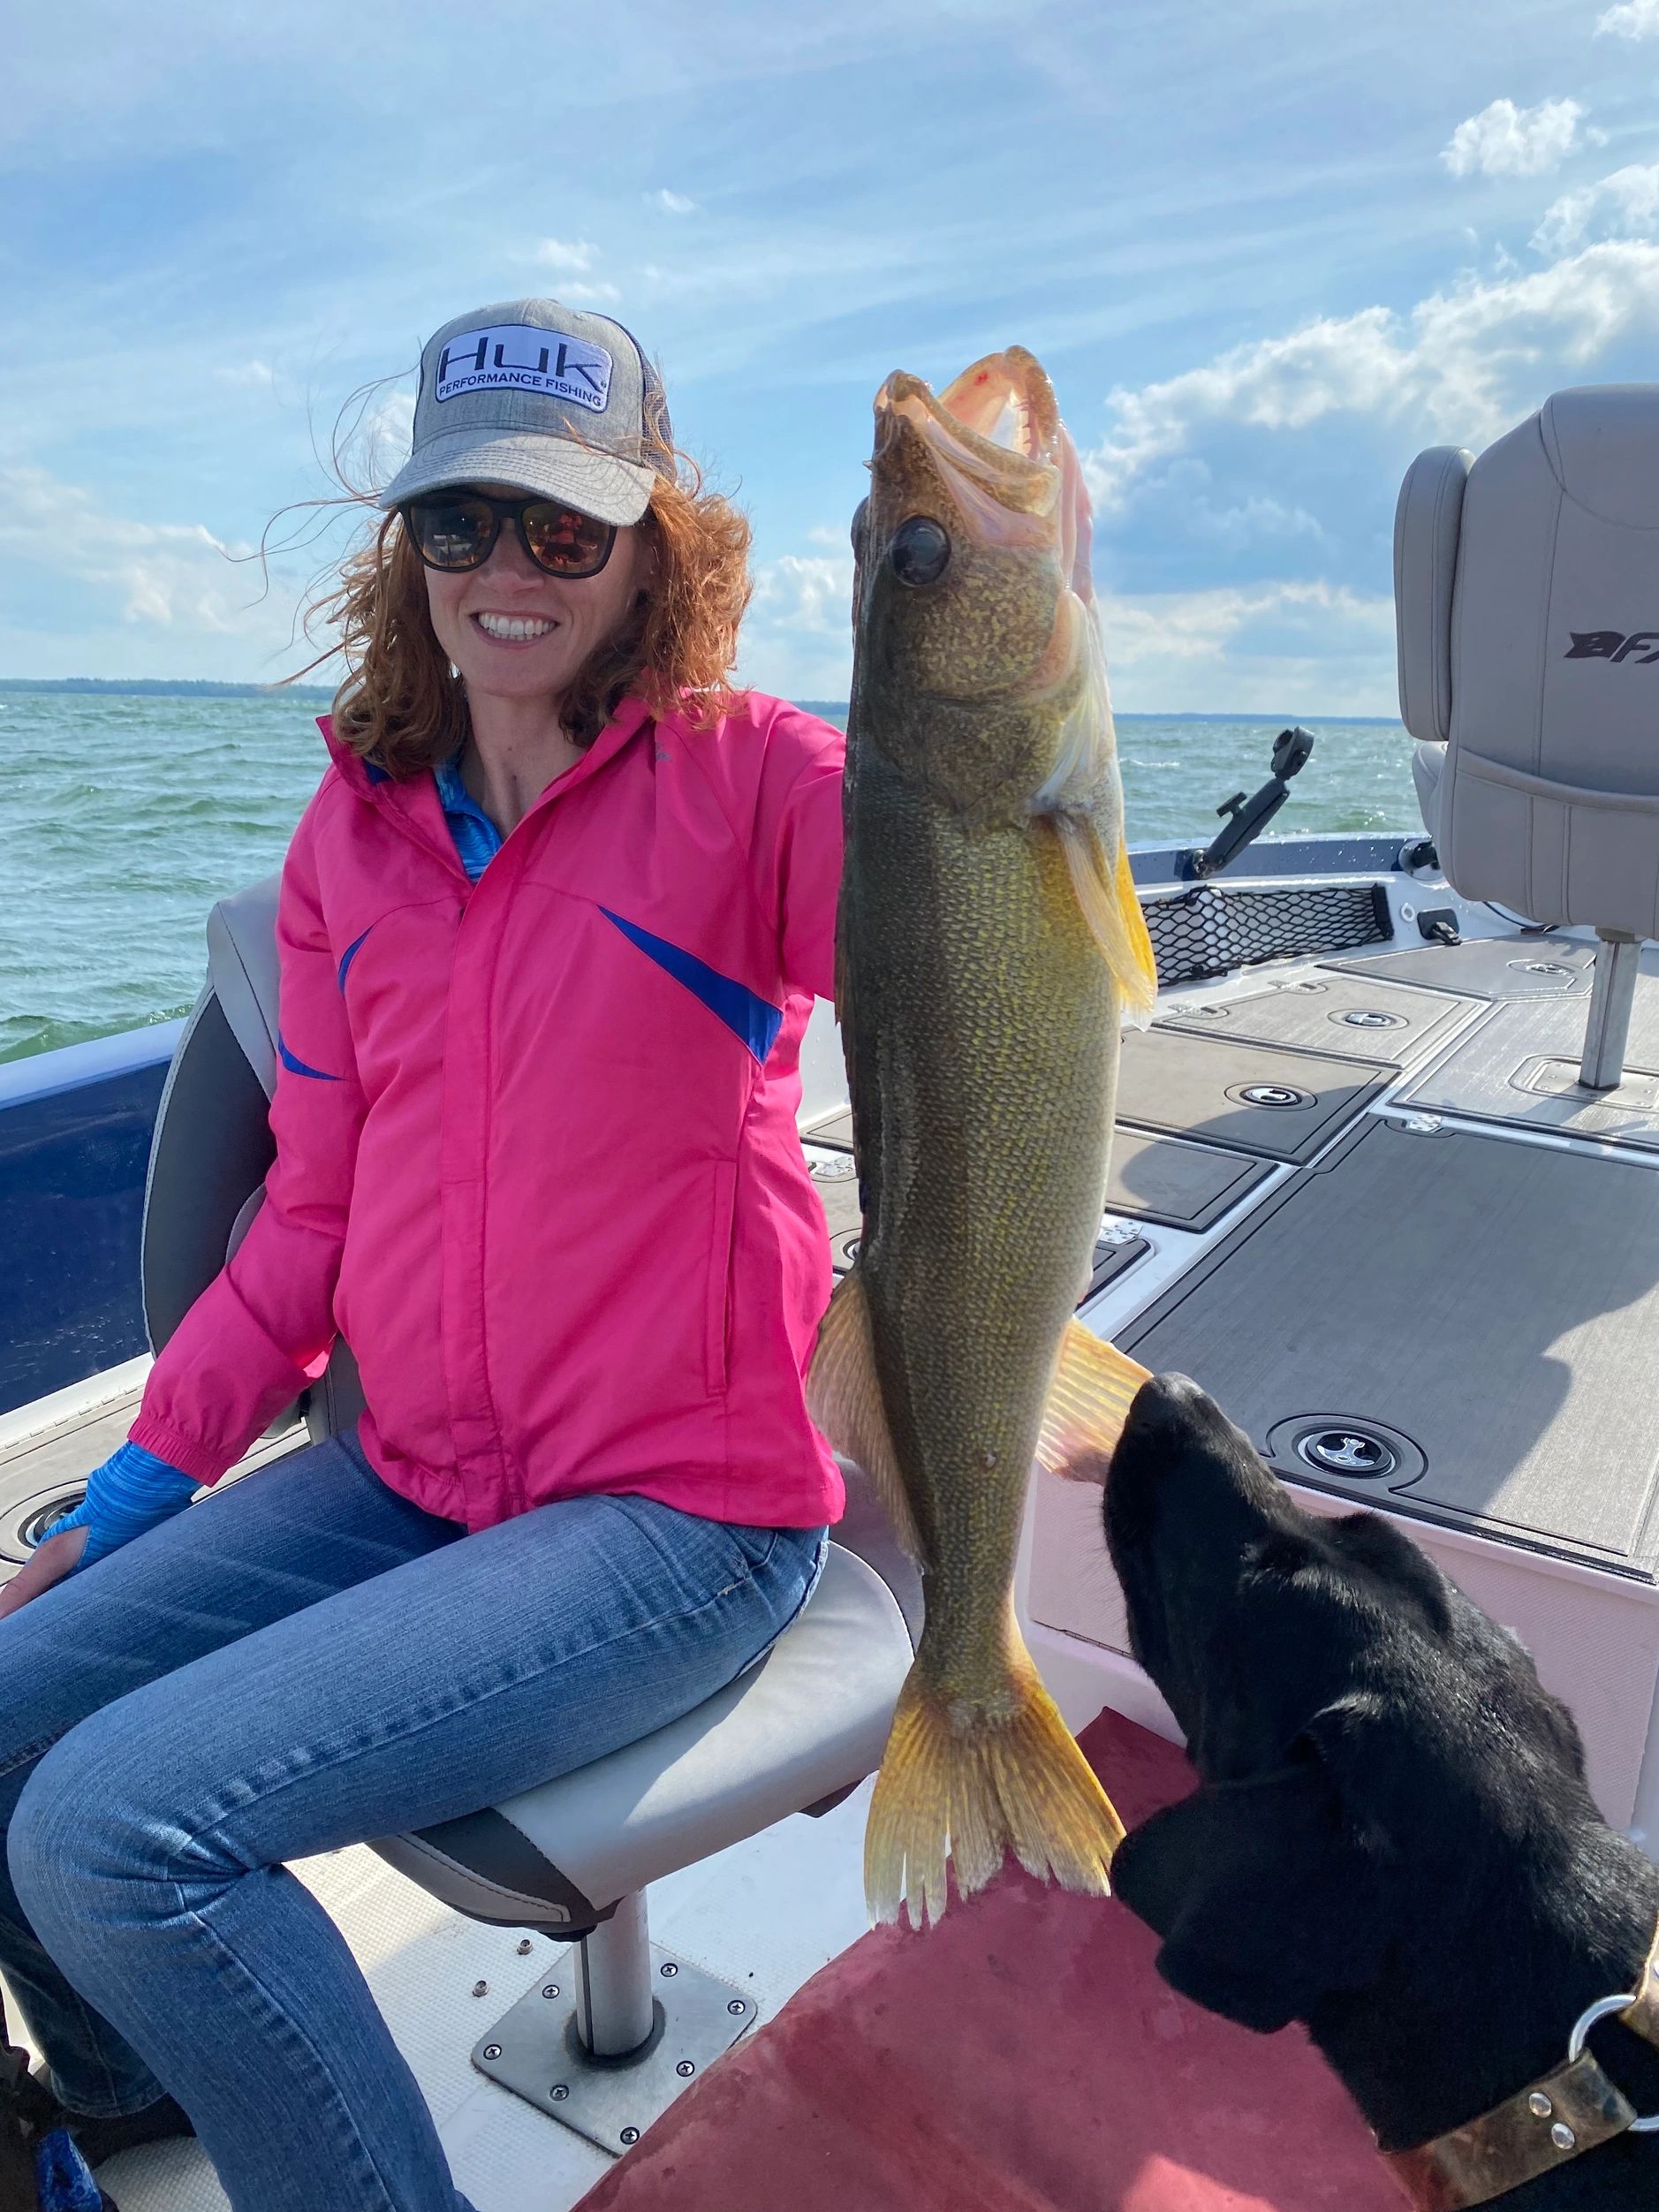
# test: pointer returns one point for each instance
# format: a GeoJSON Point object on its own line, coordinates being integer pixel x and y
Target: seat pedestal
{"type": "Point", "coordinates": [565, 2045]}
{"type": "Point", "coordinates": [1618, 959]}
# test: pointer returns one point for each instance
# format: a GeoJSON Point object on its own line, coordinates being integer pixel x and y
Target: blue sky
{"type": "Point", "coordinates": [1268, 250]}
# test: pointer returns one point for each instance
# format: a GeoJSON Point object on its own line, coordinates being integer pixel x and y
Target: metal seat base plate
{"type": "Point", "coordinates": [535, 2050]}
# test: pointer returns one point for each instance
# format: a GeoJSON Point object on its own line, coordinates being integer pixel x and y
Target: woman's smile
{"type": "Point", "coordinates": [513, 629]}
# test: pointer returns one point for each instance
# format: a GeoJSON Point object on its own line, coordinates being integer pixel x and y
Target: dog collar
{"type": "Point", "coordinates": [1554, 2119]}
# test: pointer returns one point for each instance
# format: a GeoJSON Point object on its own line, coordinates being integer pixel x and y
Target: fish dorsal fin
{"type": "Point", "coordinates": [1088, 1400]}
{"type": "Point", "coordinates": [844, 1397]}
{"type": "Point", "coordinates": [1107, 897]}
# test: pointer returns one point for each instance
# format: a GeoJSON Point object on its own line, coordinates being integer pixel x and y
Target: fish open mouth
{"type": "Point", "coordinates": [1006, 401]}
{"type": "Point", "coordinates": [995, 435]}
{"type": "Point", "coordinates": [1011, 470]}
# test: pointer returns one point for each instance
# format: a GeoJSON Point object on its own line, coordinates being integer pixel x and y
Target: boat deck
{"type": "Point", "coordinates": [1434, 1291]}
{"type": "Point", "coordinates": [1358, 1197]}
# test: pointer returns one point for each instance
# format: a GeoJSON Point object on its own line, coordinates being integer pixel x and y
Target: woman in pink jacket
{"type": "Point", "coordinates": [550, 933]}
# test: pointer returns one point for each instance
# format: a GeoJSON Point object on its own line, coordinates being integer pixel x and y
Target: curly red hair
{"type": "Point", "coordinates": [403, 707]}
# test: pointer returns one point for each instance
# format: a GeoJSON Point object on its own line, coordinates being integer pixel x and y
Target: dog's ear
{"type": "Point", "coordinates": [1265, 1898]}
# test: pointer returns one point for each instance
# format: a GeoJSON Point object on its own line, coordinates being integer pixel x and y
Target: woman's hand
{"type": "Point", "coordinates": [132, 1492]}
{"type": "Point", "coordinates": [58, 1557]}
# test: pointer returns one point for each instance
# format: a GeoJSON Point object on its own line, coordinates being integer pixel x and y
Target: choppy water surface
{"type": "Point", "coordinates": [123, 818]}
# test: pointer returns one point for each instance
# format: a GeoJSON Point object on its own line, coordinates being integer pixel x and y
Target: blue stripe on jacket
{"type": "Point", "coordinates": [349, 954]}
{"type": "Point", "coordinates": [748, 1016]}
{"type": "Point", "coordinates": [297, 1067]}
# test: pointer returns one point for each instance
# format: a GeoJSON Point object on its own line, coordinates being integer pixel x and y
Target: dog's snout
{"type": "Point", "coordinates": [1170, 1409]}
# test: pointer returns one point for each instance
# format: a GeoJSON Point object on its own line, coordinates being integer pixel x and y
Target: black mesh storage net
{"type": "Point", "coordinates": [1209, 929]}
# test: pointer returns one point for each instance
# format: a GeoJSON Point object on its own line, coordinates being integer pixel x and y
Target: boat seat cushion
{"type": "Point", "coordinates": [808, 1722]}
{"type": "Point", "coordinates": [1426, 524]}
{"type": "Point", "coordinates": [1527, 612]}
{"type": "Point", "coordinates": [242, 972]}
{"type": "Point", "coordinates": [212, 1144]}
{"type": "Point", "coordinates": [1428, 771]}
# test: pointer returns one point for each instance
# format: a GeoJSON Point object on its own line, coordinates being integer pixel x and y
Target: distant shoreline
{"type": "Point", "coordinates": [189, 687]}
{"type": "Point", "coordinates": [155, 687]}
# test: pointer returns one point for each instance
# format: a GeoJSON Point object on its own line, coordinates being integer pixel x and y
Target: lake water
{"type": "Point", "coordinates": [124, 816]}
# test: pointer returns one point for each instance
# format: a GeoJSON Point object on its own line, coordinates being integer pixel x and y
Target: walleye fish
{"type": "Point", "coordinates": [989, 941]}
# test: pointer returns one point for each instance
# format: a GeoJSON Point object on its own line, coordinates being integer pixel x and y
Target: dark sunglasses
{"type": "Point", "coordinates": [457, 530]}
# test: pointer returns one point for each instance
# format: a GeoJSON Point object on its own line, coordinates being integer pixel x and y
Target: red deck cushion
{"type": "Point", "coordinates": [1021, 2057]}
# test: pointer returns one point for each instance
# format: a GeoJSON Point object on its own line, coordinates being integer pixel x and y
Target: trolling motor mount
{"type": "Point", "coordinates": [1248, 818]}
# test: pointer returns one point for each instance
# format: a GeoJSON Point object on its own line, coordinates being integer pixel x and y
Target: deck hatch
{"type": "Point", "coordinates": [1351, 1017]}
{"type": "Point", "coordinates": [1182, 1185]}
{"type": "Point", "coordinates": [1520, 1067]}
{"type": "Point", "coordinates": [1192, 1086]}
{"type": "Point", "coordinates": [1489, 1306]}
{"type": "Point", "coordinates": [1487, 967]}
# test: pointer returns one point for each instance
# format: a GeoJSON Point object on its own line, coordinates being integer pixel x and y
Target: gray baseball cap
{"type": "Point", "coordinates": [532, 394]}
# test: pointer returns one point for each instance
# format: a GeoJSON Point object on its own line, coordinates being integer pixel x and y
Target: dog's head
{"type": "Point", "coordinates": [1374, 1752]}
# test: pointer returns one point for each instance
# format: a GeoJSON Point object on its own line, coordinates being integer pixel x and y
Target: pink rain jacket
{"type": "Point", "coordinates": [536, 1153]}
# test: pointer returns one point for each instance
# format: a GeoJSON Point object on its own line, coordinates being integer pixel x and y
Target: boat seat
{"type": "Point", "coordinates": [1526, 610]}
{"type": "Point", "coordinates": [571, 1858]}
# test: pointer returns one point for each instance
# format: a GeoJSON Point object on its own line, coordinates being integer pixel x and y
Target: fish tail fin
{"type": "Point", "coordinates": [1088, 1400]}
{"type": "Point", "coordinates": [966, 1795]}
{"type": "Point", "coordinates": [1112, 911]}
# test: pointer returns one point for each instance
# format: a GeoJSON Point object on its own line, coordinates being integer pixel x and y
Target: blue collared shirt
{"type": "Point", "coordinates": [477, 839]}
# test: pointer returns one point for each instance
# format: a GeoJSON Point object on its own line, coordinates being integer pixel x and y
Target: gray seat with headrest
{"type": "Point", "coordinates": [1527, 605]}
{"type": "Point", "coordinates": [572, 1857]}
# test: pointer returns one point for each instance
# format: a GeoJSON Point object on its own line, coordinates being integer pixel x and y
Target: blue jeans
{"type": "Point", "coordinates": [303, 1662]}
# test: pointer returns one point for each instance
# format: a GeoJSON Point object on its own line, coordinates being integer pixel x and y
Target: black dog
{"type": "Point", "coordinates": [1392, 1840]}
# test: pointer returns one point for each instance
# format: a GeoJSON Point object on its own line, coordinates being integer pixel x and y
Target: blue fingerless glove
{"type": "Point", "coordinates": [62, 2179]}
{"type": "Point", "coordinates": [131, 1492]}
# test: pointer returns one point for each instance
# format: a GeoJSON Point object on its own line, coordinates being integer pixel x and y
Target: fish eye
{"type": "Point", "coordinates": [920, 551]}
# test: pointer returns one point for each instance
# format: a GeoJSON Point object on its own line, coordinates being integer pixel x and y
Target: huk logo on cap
{"type": "Point", "coordinates": [513, 356]}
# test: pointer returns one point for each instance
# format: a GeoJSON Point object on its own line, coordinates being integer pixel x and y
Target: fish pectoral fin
{"type": "Point", "coordinates": [1107, 897]}
{"type": "Point", "coordinates": [844, 1397]}
{"type": "Point", "coordinates": [1088, 1400]}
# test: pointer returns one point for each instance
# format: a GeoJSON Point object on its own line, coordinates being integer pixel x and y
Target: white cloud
{"type": "Point", "coordinates": [571, 254]}
{"type": "Point", "coordinates": [1624, 204]}
{"type": "Point", "coordinates": [576, 261]}
{"type": "Point", "coordinates": [671, 202]}
{"type": "Point", "coordinates": [254, 374]}
{"type": "Point", "coordinates": [1254, 519]}
{"type": "Point", "coordinates": [1504, 141]}
{"type": "Point", "coordinates": [1635, 18]}
{"type": "Point", "coordinates": [805, 592]}
{"type": "Point", "coordinates": [1268, 648]}
{"type": "Point", "coordinates": [1200, 625]}
{"type": "Point", "coordinates": [153, 574]}
{"type": "Point", "coordinates": [798, 634]}
{"type": "Point", "coordinates": [1458, 365]}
